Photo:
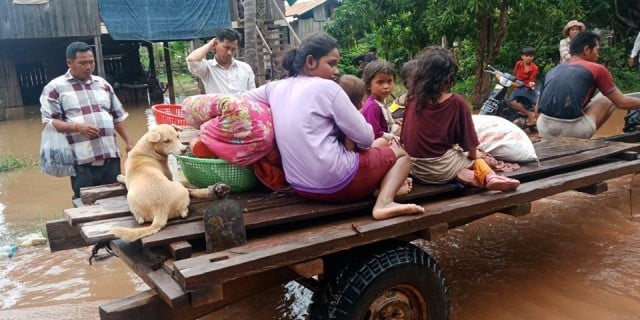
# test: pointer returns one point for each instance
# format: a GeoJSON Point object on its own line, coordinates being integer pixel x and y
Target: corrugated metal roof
{"type": "Point", "coordinates": [301, 7]}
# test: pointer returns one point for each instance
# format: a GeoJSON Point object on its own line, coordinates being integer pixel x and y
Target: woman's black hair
{"type": "Point", "coordinates": [317, 45]}
{"type": "Point", "coordinates": [435, 73]}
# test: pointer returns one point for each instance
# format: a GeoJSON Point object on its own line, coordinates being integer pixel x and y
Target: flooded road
{"type": "Point", "coordinates": [574, 257]}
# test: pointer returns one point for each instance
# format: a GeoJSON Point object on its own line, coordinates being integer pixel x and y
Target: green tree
{"type": "Point", "coordinates": [489, 31]}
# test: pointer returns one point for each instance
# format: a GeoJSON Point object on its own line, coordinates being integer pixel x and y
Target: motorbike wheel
{"type": "Point", "coordinates": [632, 121]}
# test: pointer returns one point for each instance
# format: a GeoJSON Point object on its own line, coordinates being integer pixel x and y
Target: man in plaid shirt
{"type": "Point", "coordinates": [85, 107]}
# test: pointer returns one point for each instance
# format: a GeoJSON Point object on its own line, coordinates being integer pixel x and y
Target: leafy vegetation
{"type": "Point", "coordinates": [10, 161]}
{"type": "Point", "coordinates": [485, 31]}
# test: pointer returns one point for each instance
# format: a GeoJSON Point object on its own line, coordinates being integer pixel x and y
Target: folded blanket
{"type": "Point", "coordinates": [242, 133]}
{"type": "Point", "coordinates": [199, 108]}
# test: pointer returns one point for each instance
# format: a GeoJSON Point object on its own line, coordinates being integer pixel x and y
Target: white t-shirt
{"type": "Point", "coordinates": [216, 79]}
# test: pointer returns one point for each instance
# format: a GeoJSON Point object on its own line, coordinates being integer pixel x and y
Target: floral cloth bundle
{"type": "Point", "coordinates": [199, 108]}
{"type": "Point", "coordinates": [241, 133]}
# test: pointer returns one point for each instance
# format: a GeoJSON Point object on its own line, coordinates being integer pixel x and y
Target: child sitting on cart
{"type": "Point", "coordinates": [438, 131]}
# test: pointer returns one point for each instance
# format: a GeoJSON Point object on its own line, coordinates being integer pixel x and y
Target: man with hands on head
{"type": "Point", "coordinates": [223, 73]}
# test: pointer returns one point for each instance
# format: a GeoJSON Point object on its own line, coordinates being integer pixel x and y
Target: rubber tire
{"type": "Point", "coordinates": [348, 294]}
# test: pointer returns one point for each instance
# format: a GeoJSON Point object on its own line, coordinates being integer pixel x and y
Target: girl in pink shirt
{"type": "Point", "coordinates": [379, 78]}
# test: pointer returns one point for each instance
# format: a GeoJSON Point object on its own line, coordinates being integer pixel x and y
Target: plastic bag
{"type": "Point", "coordinates": [56, 156]}
{"type": "Point", "coordinates": [503, 140]}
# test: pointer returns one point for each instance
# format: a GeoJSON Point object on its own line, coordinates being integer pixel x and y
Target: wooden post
{"type": "Point", "coordinates": [195, 44]}
{"type": "Point", "coordinates": [99, 58]}
{"type": "Point", "coordinates": [250, 38]}
{"type": "Point", "coordinates": [167, 64]}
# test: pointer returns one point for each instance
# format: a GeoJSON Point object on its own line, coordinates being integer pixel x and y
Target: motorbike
{"type": "Point", "coordinates": [497, 103]}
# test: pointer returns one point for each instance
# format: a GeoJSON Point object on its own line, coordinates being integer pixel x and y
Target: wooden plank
{"type": "Point", "coordinates": [629, 155]}
{"type": "Point", "coordinates": [131, 253]}
{"type": "Point", "coordinates": [149, 304]}
{"type": "Point", "coordinates": [206, 295]}
{"type": "Point", "coordinates": [279, 215]}
{"type": "Point", "coordinates": [563, 146]}
{"type": "Point", "coordinates": [175, 233]}
{"type": "Point", "coordinates": [518, 210]}
{"type": "Point", "coordinates": [631, 137]}
{"type": "Point", "coordinates": [597, 188]}
{"type": "Point", "coordinates": [90, 194]}
{"type": "Point", "coordinates": [272, 216]}
{"type": "Point", "coordinates": [310, 210]}
{"type": "Point", "coordinates": [180, 250]}
{"type": "Point", "coordinates": [96, 231]}
{"type": "Point", "coordinates": [117, 201]}
{"type": "Point", "coordinates": [138, 306]}
{"type": "Point", "coordinates": [56, 19]}
{"type": "Point", "coordinates": [434, 232]}
{"type": "Point", "coordinates": [62, 236]}
{"type": "Point", "coordinates": [115, 206]}
{"type": "Point", "coordinates": [317, 241]}
{"type": "Point", "coordinates": [555, 164]}
{"type": "Point", "coordinates": [308, 269]}
{"type": "Point", "coordinates": [105, 210]}
{"type": "Point", "coordinates": [99, 227]}
{"type": "Point", "coordinates": [267, 210]}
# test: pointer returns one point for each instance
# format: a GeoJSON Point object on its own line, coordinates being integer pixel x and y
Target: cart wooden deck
{"type": "Point", "coordinates": [289, 237]}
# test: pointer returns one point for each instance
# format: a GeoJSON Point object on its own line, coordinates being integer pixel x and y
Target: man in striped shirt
{"type": "Point", "coordinates": [85, 107]}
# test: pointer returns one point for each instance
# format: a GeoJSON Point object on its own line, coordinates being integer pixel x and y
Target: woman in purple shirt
{"type": "Point", "coordinates": [310, 110]}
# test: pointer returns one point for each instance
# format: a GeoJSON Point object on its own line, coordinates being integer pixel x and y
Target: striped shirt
{"type": "Point", "coordinates": [92, 102]}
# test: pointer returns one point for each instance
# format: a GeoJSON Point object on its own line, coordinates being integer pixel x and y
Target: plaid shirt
{"type": "Point", "coordinates": [93, 102]}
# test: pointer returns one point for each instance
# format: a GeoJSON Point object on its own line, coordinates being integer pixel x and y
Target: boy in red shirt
{"type": "Point", "coordinates": [524, 99]}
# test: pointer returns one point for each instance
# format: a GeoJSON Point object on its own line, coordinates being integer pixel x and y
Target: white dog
{"type": "Point", "coordinates": [151, 192]}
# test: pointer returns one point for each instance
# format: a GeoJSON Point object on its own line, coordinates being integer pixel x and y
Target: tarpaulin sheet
{"type": "Point", "coordinates": [160, 20]}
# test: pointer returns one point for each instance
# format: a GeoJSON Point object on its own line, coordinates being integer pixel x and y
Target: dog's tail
{"type": "Point", "coordinates": [133, 234]}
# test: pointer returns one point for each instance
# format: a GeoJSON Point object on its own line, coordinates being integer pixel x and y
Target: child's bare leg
{"type": "Point", "coordinates": [406, 187]}
{"type": "Point", "coordinates": [385, 207]}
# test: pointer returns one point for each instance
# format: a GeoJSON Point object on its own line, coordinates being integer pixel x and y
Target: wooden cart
{"type": "Point", "coordinates": [357, 267]}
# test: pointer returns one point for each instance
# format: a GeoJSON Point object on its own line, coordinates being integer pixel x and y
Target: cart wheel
{"type": "Point", "coordinates": [403, 282]}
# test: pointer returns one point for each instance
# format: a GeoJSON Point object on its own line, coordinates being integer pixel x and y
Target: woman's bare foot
{"type": "Point", "coordinates": [395, 209]}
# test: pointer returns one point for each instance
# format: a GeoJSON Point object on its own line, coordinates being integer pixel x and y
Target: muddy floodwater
{"type": "Point", "coordinates": [576, 256]}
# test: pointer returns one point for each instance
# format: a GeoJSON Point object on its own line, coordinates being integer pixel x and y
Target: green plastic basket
{"type": "Point", "coordinates": [203, 172]}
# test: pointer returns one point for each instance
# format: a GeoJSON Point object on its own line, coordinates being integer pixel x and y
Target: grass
{"type": "Point", "coordinates": [10, 161]}
{"type": "Point", "coordinates": [183, 82]}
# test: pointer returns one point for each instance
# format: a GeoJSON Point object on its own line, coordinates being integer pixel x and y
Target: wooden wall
{"type": "Point", "coordinates": [57, 19]}
{"type": "Point", "coordinates": [9, 86]}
